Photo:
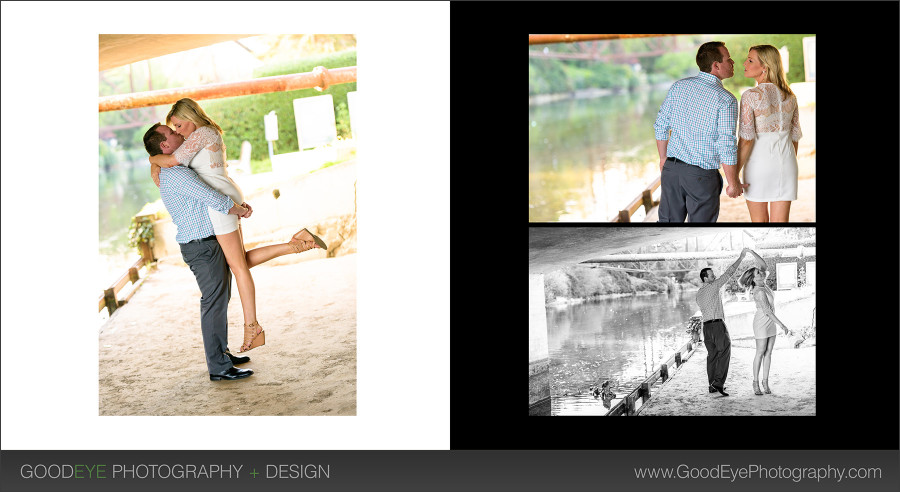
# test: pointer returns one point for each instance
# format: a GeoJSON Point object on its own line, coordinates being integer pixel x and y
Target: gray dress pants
{"type": "Point", "coordinates": [689, 191]}
{"type": "Point", "coordinates": [718, 352]}
{"type": "Point", "coordinates": [207, 261]}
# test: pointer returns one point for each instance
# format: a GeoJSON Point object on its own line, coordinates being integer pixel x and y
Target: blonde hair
{"type": "Point", "coordinates": [187, 109]}
{"type": "Point", "coordinates": [770, 59]}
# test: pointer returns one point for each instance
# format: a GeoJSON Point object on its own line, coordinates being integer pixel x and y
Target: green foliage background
{"type": "Point", "coordinates": [548, 76]}
{"type": "Point", "coordinates": [242, 117]}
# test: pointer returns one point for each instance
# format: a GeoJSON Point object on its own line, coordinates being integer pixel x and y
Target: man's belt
{"type": "Point", "coordinates": [712, 321]}
{"type": "Point", "coordinates": [210, 238]}
{"type": "Point", "coordinates": [676, 160]}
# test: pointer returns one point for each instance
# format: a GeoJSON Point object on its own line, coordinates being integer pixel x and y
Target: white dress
{"type": "Point", "coordinates": [204, 152]}
{"type": "Point", "coordinates": [771, 170]}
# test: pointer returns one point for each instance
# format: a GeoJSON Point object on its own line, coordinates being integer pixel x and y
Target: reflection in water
{"type": "Point", "coordinates": [124, 186]}
{"type": "Point", "coordinates": [621, 340]}
{"type": "Point", "coordinates": [590, 157]}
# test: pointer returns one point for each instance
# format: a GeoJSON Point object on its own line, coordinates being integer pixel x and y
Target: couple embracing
{"type": "Point", "coordinates": [703, 117]}
{"type": "Point", "coordinates": [188, 159]}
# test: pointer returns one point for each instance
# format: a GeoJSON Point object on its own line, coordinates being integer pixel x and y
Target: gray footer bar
{"type": "Point", "coordinates": [541, 470]}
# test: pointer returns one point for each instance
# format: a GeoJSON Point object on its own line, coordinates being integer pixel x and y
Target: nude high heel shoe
{"type": "Point", "coordinates": [756, 390]}
{"type": "Point", "coordinates": [765, 385]}
{"type": "Point", "coordinates": [253, 338]}
{"type": "Point", "coordinates": [300, 238]}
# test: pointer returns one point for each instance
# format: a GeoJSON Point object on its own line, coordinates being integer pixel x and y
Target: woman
{"type": "Point", "coordinates": [764, 322]}
{"type": "Point", "coordinates": [204, 151]}
{"type": "Point", "coordinates": [769, 135]}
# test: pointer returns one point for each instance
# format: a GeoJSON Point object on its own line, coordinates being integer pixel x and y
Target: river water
{"type": "Point", "coordinates": [590, 157]}
{"type": "Point", "coordinates": [622, 340]}
{"type": "Point", "coordinates": [124, 187]}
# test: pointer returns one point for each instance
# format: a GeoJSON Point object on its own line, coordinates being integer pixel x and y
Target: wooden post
{"type": "Point", "coordinates": [647, 198]}
{"type": "Point", "coordinates": [146, 253]}
{"type": "Point", "coordinates": [629, 404]}
{"type": "Point", "coordinates": [111, 303]}
{"type": "Point", "coordinates": [677, 359]}
{"type": "Point", "coordinates": [645, 391]}
{"type": "Point", "coordinates": [690, 347]}
{"type": "Point", "coordinates": [624, 216]}
{"type": "Point", "coordinates": [133, 275]}
{"type": "Point", "coordinates": [664, 372]}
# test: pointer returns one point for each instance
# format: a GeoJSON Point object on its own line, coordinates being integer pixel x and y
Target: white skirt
{"type": "Point", "coordinates": [771, 170]}
{"type": "Point", "coordinates": [223, 223]}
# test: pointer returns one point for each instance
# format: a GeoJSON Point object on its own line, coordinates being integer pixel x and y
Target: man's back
{"type": "Point", "coordinates": [702, 115]}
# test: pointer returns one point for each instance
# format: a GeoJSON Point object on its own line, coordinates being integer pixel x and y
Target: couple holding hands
{"type": "Point", "coordinates": [715, 333]}
{"type": "Point", "coordinates": [703, 116]}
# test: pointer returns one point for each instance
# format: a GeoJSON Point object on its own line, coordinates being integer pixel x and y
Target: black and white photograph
{"type": "Point", "coordinates": [636, 321]}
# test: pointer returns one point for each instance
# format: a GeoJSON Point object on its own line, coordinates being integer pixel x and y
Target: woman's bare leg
{"type": "Point", "coordinates": [759, 211]}
{"type": "Point", "coordinates": [781, 211]}
{"type": "Point", "coordinates": [758, 357]}
{"type": "Point", "coordinates": [767, 361]}
{"type": "Point", "coordinates": [236, 257]}
{"type": "Point", "coordinates": [257, 256]}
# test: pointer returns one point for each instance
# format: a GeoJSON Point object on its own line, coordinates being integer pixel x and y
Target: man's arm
{"type": "Point", "coordinates": [730, 271]}
{"type": "Point", "coordinates": [733, 268]}
{"type": "Point", "coordinates": [661, 147]}
{"type": "Point", "coordinates": [726, 145]}
{"type": "Point", "coordinates": [661, 129]}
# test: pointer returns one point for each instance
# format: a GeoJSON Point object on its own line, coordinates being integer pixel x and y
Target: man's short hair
{"type": "Point", "coordinates": [704, 274]}
{"type": "Point", "coordinates": [152, 139]}
{"type": "Point", "coordinates": [709, 53]}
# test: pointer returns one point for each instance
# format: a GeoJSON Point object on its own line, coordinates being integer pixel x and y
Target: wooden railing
{"type": "Point", "coordinates": [627, 405]}
{"type": "Point", "coordinates": [109, 299]}
{"type": "Point", "coordinates": [645, 198]}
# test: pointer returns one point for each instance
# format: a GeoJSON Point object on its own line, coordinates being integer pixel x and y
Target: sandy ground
{"type": "Point", "coordinates": [792, 380]}
{"type": "Point", "coordinates": [152, 361]}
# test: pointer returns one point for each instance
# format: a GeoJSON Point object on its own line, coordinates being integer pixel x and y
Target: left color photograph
{"type": "Point", "coordinates": [226, 277]}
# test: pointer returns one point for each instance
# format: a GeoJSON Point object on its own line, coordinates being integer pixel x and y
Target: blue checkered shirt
{"type": "Point", "coordinates": [187, 197]}
{"type": "Point", "coordinates": [703, 118]}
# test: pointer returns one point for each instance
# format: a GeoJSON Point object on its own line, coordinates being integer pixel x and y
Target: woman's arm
{"type": "Point", "coordinates": [763, 305]}
{"type": "Point", "coordinates": [163, 160]}
{"type": "Point", "coordinates": [744, 148]}
{"type": "Point", "coordinates": [759, 261]}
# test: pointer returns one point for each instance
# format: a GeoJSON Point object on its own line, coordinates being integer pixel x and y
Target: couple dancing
{"type": "Point", "coordinates": [702, 116]}
{"type": "Point", "coordinates": [715, 333]}
{"type": "Point", "coordinates": [188, 165]}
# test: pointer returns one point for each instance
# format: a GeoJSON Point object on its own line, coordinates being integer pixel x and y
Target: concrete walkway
{"type": "Point", "coordinates": [152, 361]}
{"type": "Point", "coordinates": [792, 379]}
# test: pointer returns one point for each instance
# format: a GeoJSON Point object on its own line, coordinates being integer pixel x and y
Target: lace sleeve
{"type": "Point", "coordinates": [748, 118]}
{"type": "Point", "coordinates": [198, 139]}
{"type": "Point", "coordinates": [796, 134]}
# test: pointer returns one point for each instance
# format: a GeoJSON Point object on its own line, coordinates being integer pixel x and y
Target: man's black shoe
{"type": "Point", "coordinates": [237, 360]}
{"type": "Point", "coordinates": [720, 390]}
{"type": "Point", "coordinates": [231, 374]}
{"type": "Point", "coordinates": [712, 389]}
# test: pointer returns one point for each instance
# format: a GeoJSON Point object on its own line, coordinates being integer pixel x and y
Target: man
{"type": "Point", "coordinates": [187, 197]}
{"type": "Point", "coordinates": [702, 117]}
{"type": "Point", "coordinates": [715, 333]}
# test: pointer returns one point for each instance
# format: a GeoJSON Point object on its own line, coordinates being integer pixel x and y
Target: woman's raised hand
{"type": "Point", "coordinates": [249, 210]}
